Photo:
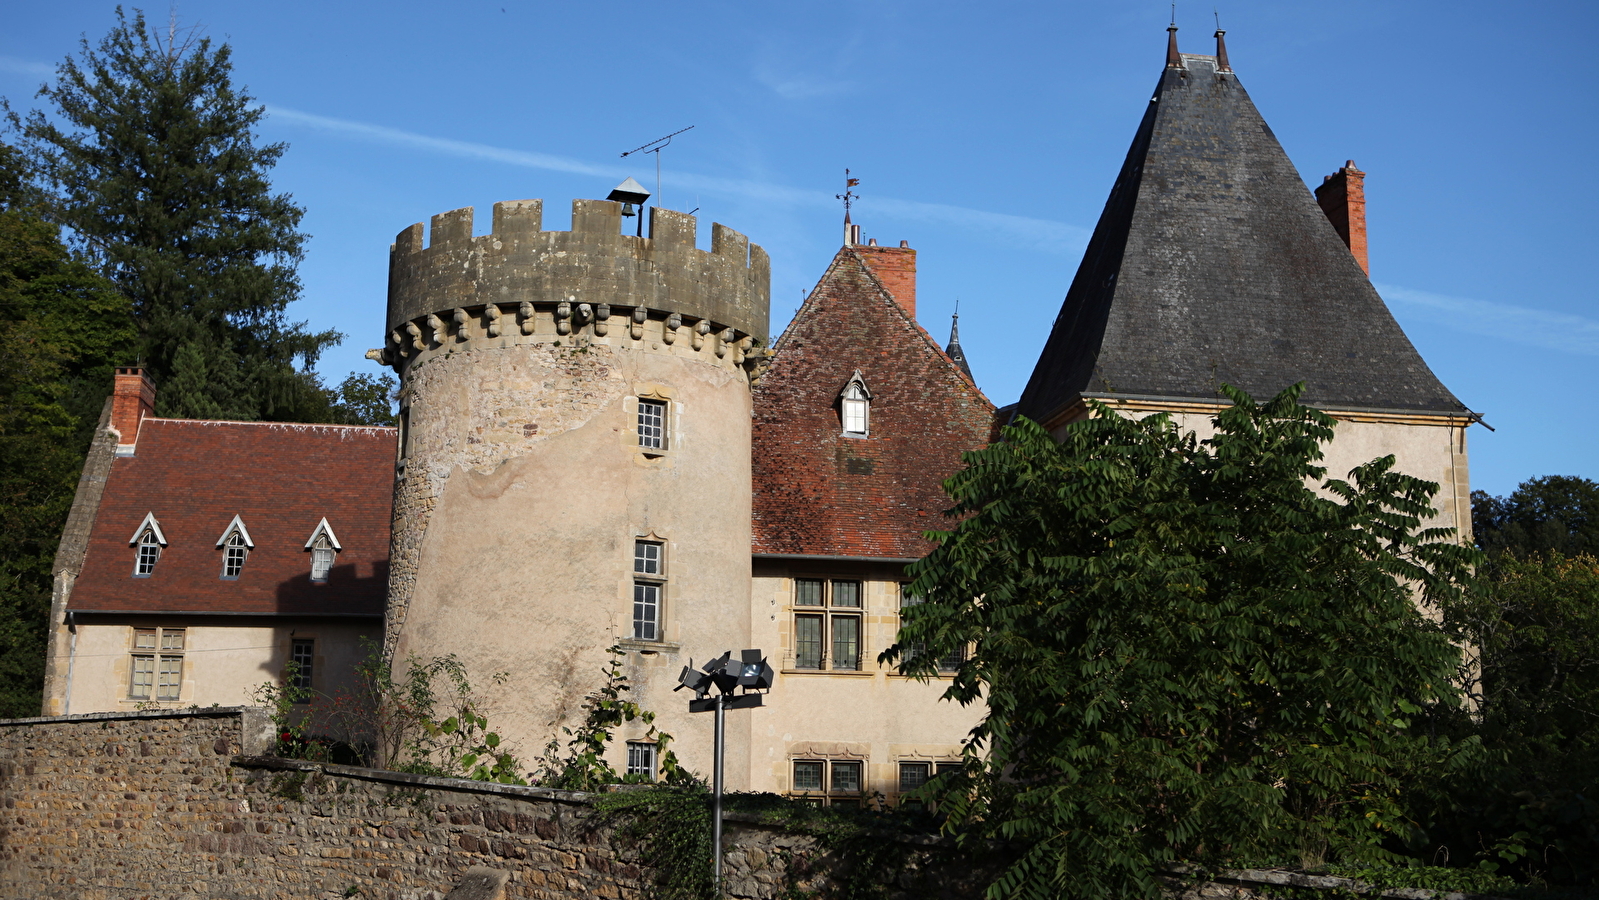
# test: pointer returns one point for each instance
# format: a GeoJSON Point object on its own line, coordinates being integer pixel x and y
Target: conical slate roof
{"type": "Point", "coordinates": [1212, 264]}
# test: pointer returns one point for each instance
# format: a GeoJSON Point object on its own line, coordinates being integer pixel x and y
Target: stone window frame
{"type": "Point", "coordinates": [643, 758]}
{"type": "Point", "coordinates": [826, 613]}
{"type": "Point", "coordinates": [654, 581]}
{"type": "Point", "coordinates": [148, 542]}
{"type": "Point", "coordinates": [161, 656]}
{"type": "Point", "coordinates": [671, 420]}
{"type": "Point", "coordinates": [829, 792]}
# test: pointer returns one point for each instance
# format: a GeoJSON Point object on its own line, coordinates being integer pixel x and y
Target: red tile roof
{"type": "Point", "coordinates": [819, 492]}
{"type": "Point", "coordinates": [281, 480]}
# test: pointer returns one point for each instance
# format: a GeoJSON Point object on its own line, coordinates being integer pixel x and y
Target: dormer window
{"type": "Point", "coordinates": [147, 541]}
{"type": "Point", "coordinates": [324, 547]}
{"type": "Point", "coordinates": [236, 546]}
{"type": "Point", "coordinates": [856, 405]}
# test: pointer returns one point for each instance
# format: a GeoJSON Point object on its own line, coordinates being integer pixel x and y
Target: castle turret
{"type": "Point", "coordinates": [574, 464]}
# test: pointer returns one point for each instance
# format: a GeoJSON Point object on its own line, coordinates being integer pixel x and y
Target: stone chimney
{"type": "Point", "coordinates": [132, 399]}
{"type": "Point", "coordinates": [1342, 196]}
{"type": "Point", "coordinates": [895, 267]}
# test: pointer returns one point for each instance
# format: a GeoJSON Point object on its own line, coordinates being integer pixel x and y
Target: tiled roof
{"type": "Point", "coordinates": [1212, 264]}
{"type": "Point", "coordinates": [818, 492]}
{"type": "Point", "coordinates": [281, 480]}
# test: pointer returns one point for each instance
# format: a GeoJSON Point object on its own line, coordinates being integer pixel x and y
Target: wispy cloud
{"type": "Point", "coordinates": [25, 67]}
{"type": "Point", "coordinates": [1523, 325]}
{"type": "Point", "coordinates": [1050, 236]}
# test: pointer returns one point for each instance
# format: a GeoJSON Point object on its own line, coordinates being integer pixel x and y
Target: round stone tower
{"type": "Point", "coordinates": [574, 462]}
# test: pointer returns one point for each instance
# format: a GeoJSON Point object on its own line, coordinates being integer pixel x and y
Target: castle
{"type": "Point", "coordinates": [598, 447]}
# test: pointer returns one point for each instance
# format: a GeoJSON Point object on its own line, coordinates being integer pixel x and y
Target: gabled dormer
{"type": "Point", "coordinates": [235, 544]}
{"type": "Point", "coordinates": [147, 542]}
{"type": "Point", "coordinates": [855, 406]}
{"type": "Point", "coordinates": [324, 548]}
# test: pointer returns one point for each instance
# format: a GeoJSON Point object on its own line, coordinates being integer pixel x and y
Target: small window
{"type": "Point", "coordinates": [855, 406]}
{"type": "Point", "coordinates": [147, 542]}
{"type": "Point", "coordinates": [302, 653]}
{"type": "Point", "coordinates": [652, 424]}
{"type": "Point", "coordinates": [641, 759]}
{"type": "Point", "coordinates": [912, 775]}
{"type": "Point", "coordinates": [829, 638]}
{"type": "Point", "coordinates": [649, 584]}
{"type": "Point", "coordinates": [149, 554]}
{"type": "Point", "coordinates": [828, 782]}
{"type": "Point", "coordinates": [156, 667]}
{"type": "Point", "coordinates": [646, 611]}
{"type": "Point", "coordinates": [234, 555]}
{"type": "Point", "coordinates": [950, 662]}
{"type": "Point", "coordinates": [324, 547]}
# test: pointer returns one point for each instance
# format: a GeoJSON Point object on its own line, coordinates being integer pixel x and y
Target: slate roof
{"type": "Point", "coordinates": [821, 493]}
{"type": "Point", "coordinates": [281, 480]}
{"type": "Point", "coordinates": [1212, 264]}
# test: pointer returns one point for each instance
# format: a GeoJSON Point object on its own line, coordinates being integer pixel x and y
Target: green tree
{"type": "Point", "coordinates": [150, 160]}
{"type": "Point", "coordinates": [1186, 652]}
{"type": "Point", "coordinates": [62, 328]}
{"type": "Point", "coordinates": [365, 400]}
{"type": "Point", "coordinates": [1556, 512]}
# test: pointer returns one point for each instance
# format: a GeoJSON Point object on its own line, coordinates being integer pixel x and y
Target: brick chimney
{"type": "Point", "coordinates": [895, 267]}
{"type": "Point", "coordinates": [132, 399]}
{"type": "Point", "coordinates": [1342, 196]}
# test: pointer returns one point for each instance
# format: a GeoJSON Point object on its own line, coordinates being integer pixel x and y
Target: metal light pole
{"type": "Point", "coordinates": [749, 673]}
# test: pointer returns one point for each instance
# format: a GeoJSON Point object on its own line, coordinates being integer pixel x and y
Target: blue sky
{"type": "Point", "coordinates": [987, 135]}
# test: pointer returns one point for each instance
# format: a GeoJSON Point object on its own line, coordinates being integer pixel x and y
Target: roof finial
{"type": "Point", "coordinates": [1221, 47]}
{"type": "Point", "coordinates": [1174, 60]}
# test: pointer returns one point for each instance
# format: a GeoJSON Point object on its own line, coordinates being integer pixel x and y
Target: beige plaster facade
{"type": "Point", "coordinates": [221, 661]}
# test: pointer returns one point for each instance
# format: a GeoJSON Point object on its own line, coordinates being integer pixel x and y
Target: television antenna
{"type": "Point", "coordinates": [655, 147]}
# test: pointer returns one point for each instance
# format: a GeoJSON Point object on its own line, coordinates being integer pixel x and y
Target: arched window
{"type": "Point", "coordinates": [855, 403]}
{"type": "Point", "coordinates": [147, 543]}
{"type": "Point", "coordinates": [324, 547]}
{"type": "Point", "coordinates": [236, 546]}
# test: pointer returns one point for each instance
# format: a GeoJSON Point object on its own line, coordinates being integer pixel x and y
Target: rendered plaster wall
{"type": "Point", "coordinates": [223, 661]}
{"type": "Point", "coordinates": [523, 491]}
{"type": "Point", "coordinates": [871, 715]}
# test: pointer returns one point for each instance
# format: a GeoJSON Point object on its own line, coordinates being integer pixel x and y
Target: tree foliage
{"type": "Point", "coordinates": [150, 160]}
{"type": "Point", "coordinates": [61, 328]}
{"type": "Point", "coordinates": [1186, 651]}
{"type": "Point", "coordinates": [1557, 513]}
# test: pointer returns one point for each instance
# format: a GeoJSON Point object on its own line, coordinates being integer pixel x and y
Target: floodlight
{"type": "Point", "coordinates": [749, 673]}
{"type": "Point", "coordinates": [698, 682]}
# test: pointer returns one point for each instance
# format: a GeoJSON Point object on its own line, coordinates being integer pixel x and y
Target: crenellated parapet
{"type": "Point", "coordinates": [523, 280]}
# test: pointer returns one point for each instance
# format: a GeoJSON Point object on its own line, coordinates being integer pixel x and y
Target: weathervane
{"type": "Point", "coordinates": [849, 197]}
{"type": "Point", "coordinates": [655, 147]}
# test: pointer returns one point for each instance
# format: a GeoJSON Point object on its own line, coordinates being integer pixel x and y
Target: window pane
{"type": "Point", "coordinates": [149, 552]}
{"type": "Point", "coordinates": [652, 424]}
{"type": "Point", "coordinates": [646, 558]}
{"type": "Point", "coordinates": [233, 561]}
{"type": "Point", "coordinates": [846, 642]}
{"type": "Point", "coordinates": [171, 674]}
{"type": "Point", "coordinates": [646, 611]}
{"type": "Point", "coordinates": [321, 563]}
{"type": "Point", "coordinates": [301, 654]}
{"type": "Point", "coordinates": [847, 593]}
{"type": "Point", "coordinates": [143, 677]}
{"type": "Point", "coordinates": [948, 768]}
{"type": "Point", "coordinates": [953, 661]}
{"type": "Point", "coordinates": [912, 776]}
{"type": "Point", "coordinates": [640, 759]}
{"type": "Point", "coordinates": [807, 776]}
{"type": "Point", "coordinates": [144, 638]}
{"type": "Point", "coordinates": [807, 592]}
{"type": "Point", "coordinates": [855, 416]}
{"type": "Point", "coordinates": [172, 639]}
{"type": "Point", "coordinates": [808, 642]}
{"type": "Point", "coordinates": [847, 777]}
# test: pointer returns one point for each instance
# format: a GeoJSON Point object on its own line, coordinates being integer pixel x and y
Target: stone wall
{"type": "Point", "coordinates": [128, 806]}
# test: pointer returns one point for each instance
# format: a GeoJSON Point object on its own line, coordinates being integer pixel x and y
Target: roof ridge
{"type": "Point", "coordinates": [209, 422]}
{"type": "Point", "coordinates": [907, 317]}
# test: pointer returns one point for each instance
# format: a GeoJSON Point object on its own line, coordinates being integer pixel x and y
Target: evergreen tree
{"type": "Point", "coordinates": [61, 328]}
{"type": "Point", "coordinates": [1557, 513]}
{"type": "Point", "coordinates": [1185, 650]}
{"type": "Point", "coordinates": [151, 161]}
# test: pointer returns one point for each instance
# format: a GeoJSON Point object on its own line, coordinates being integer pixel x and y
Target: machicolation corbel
{"type": "Point", "coordinates": [525, 314]}
{"type": "Point", "coordinates": [460, 318]}
{"type": "Point", "coordinates": [673, 323]}
{"type": "Point", "coordinates": [722, 340]}
{"type": "Point", "coordinates": [563, 318]}
{"type": "Point", "coordinates": [416, 335]}
{"type": "Point", "coordinates": [435, 330]}
{"type": "Point", "coordinates": [639, 315]}
{"type": "Point", "coordinates": [491, 319]}
{"type": "Point", "coordinates": [701, 329]}
{"type": "Point", "coordinates": [602, 316]}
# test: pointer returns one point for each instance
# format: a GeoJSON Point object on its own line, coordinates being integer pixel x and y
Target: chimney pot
{"type": "Point", "coordinates": [132, 398]}
{"type": "Point", "coordinates": [872, 242]}
{"type": "Point", "coordinates": [905, 244]}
